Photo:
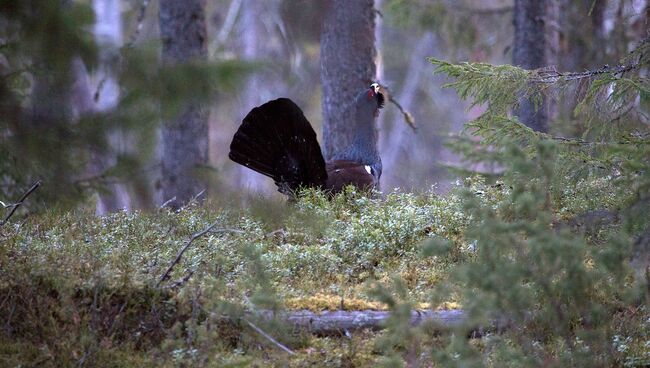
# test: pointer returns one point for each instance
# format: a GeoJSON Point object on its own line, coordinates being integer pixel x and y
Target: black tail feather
{"type": "Point", "coordinates": [276, 140]}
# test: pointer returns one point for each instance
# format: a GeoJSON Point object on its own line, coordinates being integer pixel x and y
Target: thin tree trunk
{"type": "Point", "coordinates": [108, 33]}
{"type": "Point", "coordinates": [185, 137]}
{"type": "Point", "coordinates": [400, 142]}
{"type": "Point", "coordinates": [259, 45]}
{"type": "Point", "coordinates": [347, 53]}
{"type": "Point", "coordinates": [535, 46]}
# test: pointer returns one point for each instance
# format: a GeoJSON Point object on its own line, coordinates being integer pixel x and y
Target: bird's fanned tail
{"type": "Point", "coordinates": [276, 140]}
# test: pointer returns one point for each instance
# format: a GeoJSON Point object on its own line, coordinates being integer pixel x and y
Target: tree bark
{"type": "Point", "coordinates": [535, 46]}
{"type": "Point", "coordinates": [347, 53]}
{"type": "Point", "coordinates": [185, 137]}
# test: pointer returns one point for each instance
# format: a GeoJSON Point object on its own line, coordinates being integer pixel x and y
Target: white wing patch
{"type": "Point", "coordinates": [368, 169]}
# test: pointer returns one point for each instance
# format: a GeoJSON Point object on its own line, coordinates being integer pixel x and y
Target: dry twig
{"type": "Point", "coordinates": [269, 337]}
{"type": "Point", "coordinates": [408, 117]}
{"type": "Point", "coordinates": [195, 236]}
{"type": "Point", "coordinates": [20, 202]}
{"type": "Point", "coordinates": [167, 202]}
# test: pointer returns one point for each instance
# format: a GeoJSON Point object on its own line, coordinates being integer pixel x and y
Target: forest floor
{"type": "Point", "coordinates": [76, 289]}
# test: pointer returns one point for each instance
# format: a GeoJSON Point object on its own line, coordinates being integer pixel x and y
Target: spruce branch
{"type": "Point", "coordinates": [552, 76]}
{"type": "Point", "coordinates": [641, 139]}
{"type": "Point", "coordinates": [507, 73]}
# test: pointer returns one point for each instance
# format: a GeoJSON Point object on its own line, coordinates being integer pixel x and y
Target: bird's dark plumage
{"type": "Point", "coordinates": [276, 140]}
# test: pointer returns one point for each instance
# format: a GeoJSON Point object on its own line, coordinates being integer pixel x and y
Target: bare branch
{"type": "Point", "coordinates": [269, 337]}
{"type": "Point", "coordinates": [20, 202]}
{"type": "Point", "coordinates": [197, 196]}
{"type": "Point", "coordinates": [408, 117]}
{"type": "Point", "coordinates": [184, 280]}
{"type": "Point", "coordinates": [167, 202]}
{"type": "Point", "coordinates": [195, 236]}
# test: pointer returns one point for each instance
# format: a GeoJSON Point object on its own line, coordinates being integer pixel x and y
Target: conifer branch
{"type": "Point", "coordinates": [581, 142]}
{"type": "Point", "coordinates": [509, 73]}
{"type": "Point", "coordinates": [552, 76]}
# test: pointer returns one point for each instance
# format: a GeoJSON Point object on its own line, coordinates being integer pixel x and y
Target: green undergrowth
{"type": "Point", "coordinates": [76, 289]}
{"type": "Point", "coordinates": [311, 246]}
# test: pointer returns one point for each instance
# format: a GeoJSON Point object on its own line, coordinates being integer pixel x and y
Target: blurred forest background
{"type": "Point", "coordinates": [87, 85]}
{"type": "Point", "coordinates": [522, 214]}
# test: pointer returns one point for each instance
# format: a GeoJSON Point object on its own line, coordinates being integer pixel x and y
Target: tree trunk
{"type": "Point", "coordinates": [402, 151]}
{"type": "Point", "coordinates": [108, 34]}
{"type": "Point", "coordinates": [260, 43]}
{"type": "Point", "coordinates": [347, 54]}
{"type": "Point", "coordinates": [535, 46]}
{"type": "Point", "coordinates": [185, 137]}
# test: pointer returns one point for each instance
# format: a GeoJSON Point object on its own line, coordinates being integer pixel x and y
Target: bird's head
{"type": "Point", "coordinates": [374, 94]}
{"type": "Point", "coordinates": [370, 101]}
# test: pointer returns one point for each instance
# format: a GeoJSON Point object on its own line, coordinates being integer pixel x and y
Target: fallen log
{"type": "Point", "coordinates": [338, 322]}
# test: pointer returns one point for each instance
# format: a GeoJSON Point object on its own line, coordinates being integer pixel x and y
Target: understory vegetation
{"type": "Point", "coordinates": [75, 284]}
{"type": "Point", "coordinates": [77, 289]}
